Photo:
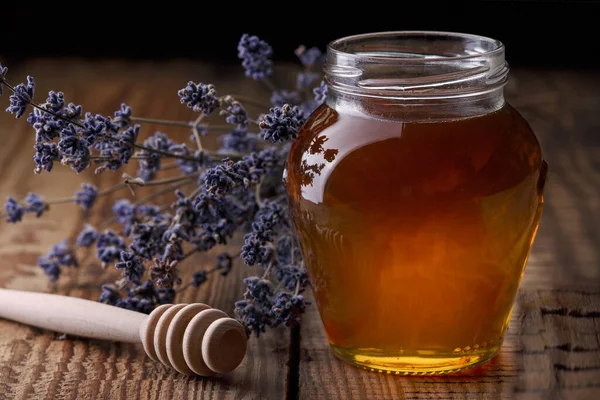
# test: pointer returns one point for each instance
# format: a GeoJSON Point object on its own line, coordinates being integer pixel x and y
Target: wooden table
{"type": "Point", "coordinates": [552, 349]}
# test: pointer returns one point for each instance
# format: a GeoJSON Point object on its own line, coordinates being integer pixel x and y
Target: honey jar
{"type": "Point", "coordinates": [416, 192]}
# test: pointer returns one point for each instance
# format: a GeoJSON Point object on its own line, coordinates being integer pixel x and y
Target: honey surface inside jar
{"type": "Point", "coordinates": [415, 234]}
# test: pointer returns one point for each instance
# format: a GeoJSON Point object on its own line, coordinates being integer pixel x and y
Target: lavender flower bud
{"type": "Point", "coordinates": [311, 57]}
{"type": "Point", "coordinates": [282, 124]}
{"type": "Point", "coordinates": [86, 197]}
{"type": "Point", "coordinates": [21, 97]}
{"type": "Point", "coordinates": [35, 204]}
{"type": "Point", "coordinates": [224, 263]}
{"type": "Point", "coordinates": [279, 98]}
{"type": "Point", "coordinates": [131, 265]}
{"type": "Point", "coordinates": [123, 116]}
{"type": "Point", "coordinates": [109, 247]}
{"type": "Point", "coordinates": [287, 308]}
{"type": "Point", "coordinates": [320, 92]}
{"type": "Point", "coordinates": [87, 236]}
{"type": "Point", "coordinates": [110, 295]}
{"type": "Point", "coordinates": [235, 114]}
{"type": "Point", "coordinates": [200, 97]}
{"type": "Point", "coordinates": [14, 211]}
{"type": "Point", "coordinates": [45, 156]}
{"type": "Point", "coordinates": [55, 101]}
{"type": "Point", "coordinates": [199, 278]}
{"type": "Point", "coordinates": [255, 55]}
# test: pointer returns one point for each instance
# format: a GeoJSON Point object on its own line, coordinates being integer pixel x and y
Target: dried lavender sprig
{"type": "Point", "coordinates": [231, 187]}
{"type": "Point", "coordinates": [80, 125]}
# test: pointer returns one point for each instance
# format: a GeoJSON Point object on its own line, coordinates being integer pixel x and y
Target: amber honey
{"type": "Point", "coordinates": [415, 234]}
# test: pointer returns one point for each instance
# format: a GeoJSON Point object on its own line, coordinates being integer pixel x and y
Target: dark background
{"type": "Point", "coordinates": [536, 33]}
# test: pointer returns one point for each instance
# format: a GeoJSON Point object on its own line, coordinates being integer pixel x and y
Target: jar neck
{"type": "Point", "coordinates": [416, 109]}
{"type": "Point", "coordinates": [416, 75]}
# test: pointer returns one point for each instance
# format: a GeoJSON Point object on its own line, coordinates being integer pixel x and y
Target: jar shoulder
{"type": "Point", "coordinates": [482, 154]}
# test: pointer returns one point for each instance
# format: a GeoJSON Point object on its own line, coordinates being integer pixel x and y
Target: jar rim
{"type": "Point", "coordinates": [336, 46]}
{"type": "Point", "coordinates": [415, 65]}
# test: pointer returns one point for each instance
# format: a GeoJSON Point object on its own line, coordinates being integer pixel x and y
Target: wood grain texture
{"type": "Point", "coordinates": [36, 364]}
{"type": "Point", "coordinates": [552, 348]}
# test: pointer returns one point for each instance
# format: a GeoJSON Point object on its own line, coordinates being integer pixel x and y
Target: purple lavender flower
{"type": "Point", "coordinates": [235, 114]}
{"type": "Point", "coordinates": [124, 210]}
{"type": "Point", "coordinates": [74, 150]}
{"type": "Point", "coordinates": [224, 177]}
{"type": "Point", "coordinates": [320, 93]}
{"type": "Point", "coordinates": [14, 211]}
{"type": "Point", "coordinates": [189, 166]}
{"type": "Point", "coordinates": [262, 163]}
{"type": "Point", "coordinates": [185, 212]}
{"type": "Point", "coordinates": [257, 246]}
{"type": "Point", "coordinates": [176, 233]}
{"type": "Point", "coordinates": [165, 296]}
{"type": "Point", "coordinates": [123, 116]}
{"type": "Point", "coordinates": [287, 249]}
{"type": "Point", "coordinates": [69, 142]}
{"type": "Point", "coordinates": [151, 164]}
{"type": "Point", "coordinates": [141, 298]}
{"type": "Point", "coordinates": [47, 126]}
{"type": "Point", "coordinates": [86, 197]}
{"type": "Point", "coordinates": [110, 295]}
{"type": "Point", "coordinates": [131, 265]}
{"type": "Point", "coordinates": [109, 247]}
{"type": "Point", "coordinates": [254, 317]}
{"type": "Point", "coordinates": [255, 310]}
{"type": "Point", "coordinates": [35, 204]}
{"type": "Point", "coordinates": [256, 57]}
{"type": "Point", "coordinates": [310, 58]}
{"type": "Point", "coordinates": [279, 98]}
{"type": "Point", "coordinates": [291, 276]}
{"type": "Point", "coordinates": [94, 128]}
{"type": "Point", "coordinates": [147, 238]}
{"type": "Point", "coordinates": [87, 236]}
{"type": "Point", "coordinates": [224, 263]}
{"type": "Point", "coordinates": [172, 251]}
{"type": "Point", "coordinates": [282, 124]}
{"type": "Point", "coordinates": [200, 97]}
{"type": "Point", "coordinates": [199, 278]}
{"type": "Point", "coordinates": [55, 101]}
{"type": "Point", "coordinates": [238, 140]}
{"type": "Point", "coordinates": [266, 222]}
{"type": "Point", "coordinates": [45, 156]}
{"type": "Point", "coordinates": [21, 97]}
{"type": "Point", "coordinates": [60, 255]}
{"type": "Point", "coordinates": [127, 139]}
{"type": "Point", "coordinates": [3, 71]}
{"type": "Point", "coordinates": [222, 205]}
{"type": "Point", "coordinates": [259, 289]}
{"type": "Point", "coordinates": [72, 112]}
{"type": "Point", "coordinates": [305, 80]}
{"type": "Point", "coordinates": [287, 309]}
{"type": "Point", "coordinates": [119, 149]}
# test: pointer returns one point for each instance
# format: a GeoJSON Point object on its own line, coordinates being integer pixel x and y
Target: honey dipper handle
{"type": "Point", "coordinates": [71, 315]}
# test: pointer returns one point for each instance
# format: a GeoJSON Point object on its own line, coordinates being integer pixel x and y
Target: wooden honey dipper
{"type": "Point", "coordinates": [190, 338]}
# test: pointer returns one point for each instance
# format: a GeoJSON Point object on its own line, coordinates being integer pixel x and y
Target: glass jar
{"type": "Point", "coordinates": [416, 192]}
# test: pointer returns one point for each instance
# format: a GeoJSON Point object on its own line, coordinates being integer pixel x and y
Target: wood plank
{"type": "Point", "coordinates": [552, 347]}
{"type": "Point", "coordinates": [35, 364]}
